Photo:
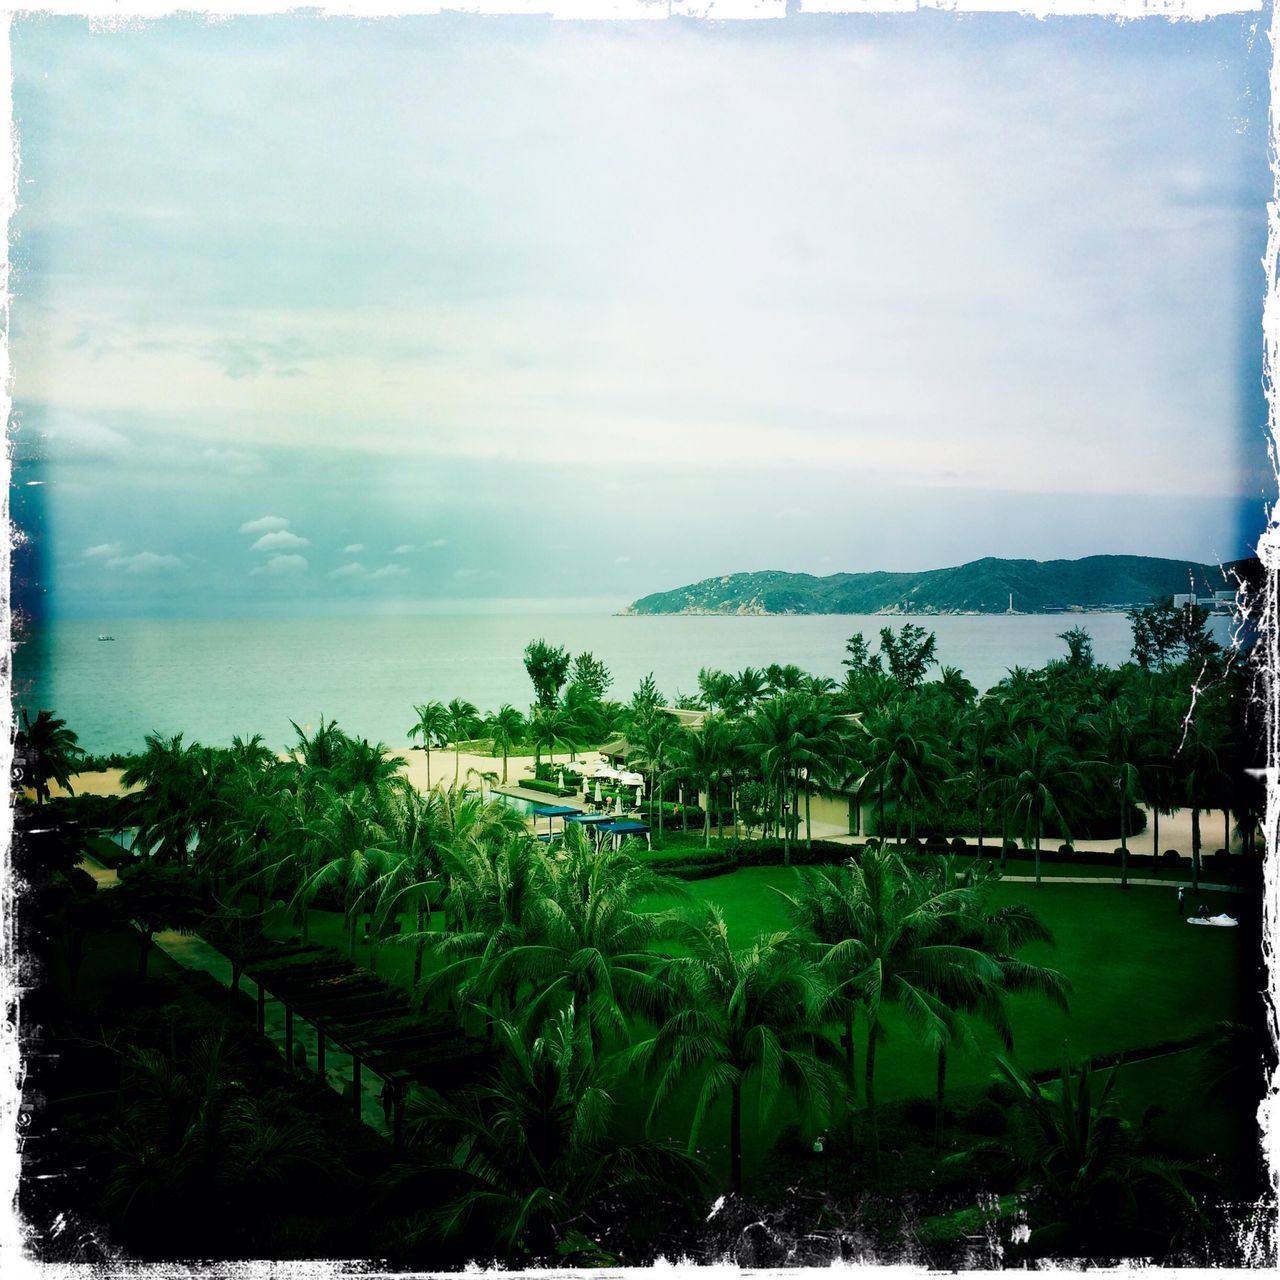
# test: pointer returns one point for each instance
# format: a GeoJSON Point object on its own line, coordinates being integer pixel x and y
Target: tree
{"type": "Point", "coordinates": [646, 697]}
{"type": "Point", "coordinates": [548, 668]}
{"type": "Point", "coordinates": [464, 720]}
{"type": "Point", "coordinates": [152, 898]}
{"type": "Point", "coordinates": [909, 653]}
{"type": "Point", "coordinates": [1096, 1193]}
{"type": "Point", "coordinates": [346, 848]}
{"type": "Point", "coordinates": [170, 805]}
{"type": "Point", "coordinates": [590, 945]}
{"type": "Point", "coordinates": [1123, 755]}
{"type": "Point", "coordinates": [1039, 774]}
{"type": "Point", "coordinates": [508, 727]}
{"type": "Point", "coordinates": [702, 756]}
{"type": "Point", "coordinates": [1079, 649]}
{"type": "Point", "coordinates": [739, 1016]}
{"type": "Point", "coordinates": [1165, 634]}
{"type": "Point", "coordinates": [432, 726]}
{"type": "Point", "coordinates": [531, 1171]}
{"type": "Point", "coordinates": [46, 750]}
{"type": "Point", "coordinates": [897, 948]}
{"type": "Point", "coordinates": [654, 739]}
{"type": "Point", "coordinates": [590, 674]}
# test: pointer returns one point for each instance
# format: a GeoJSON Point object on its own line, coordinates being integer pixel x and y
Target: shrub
{"type": "Point", "coordinates": [1066, 851]}
{"type": "Point", "coordinates": [987, 1118]}
{"type": "Point", "coordinates": [1002, 1093]}
{"type": "Point", "coordinates": [550, 788]}
{"type": "Point", "coordinates": [959, 844]}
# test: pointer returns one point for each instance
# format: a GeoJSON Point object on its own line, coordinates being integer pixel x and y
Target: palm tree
{"type": "Point", "coordinates": [432, 726]}
{"type": "Point", "coordinates": [898, 948]}
{"type": "Point", "coordinates": [1093, 1185]}
{"type": "Point", "coordinates": [463, 721]}
{"type": "Point", "coordinates": [702, 757]}
{"type": "Point", "coordinates": [533, 1175]}
{"type": "Point", "coordinates": [739, 1016]}
{"type": "Point", "coordinates": [171, 803]}
{"type": "Point", "coordinates": [507, 726]}
{"type": "Point", "coordinates": [48, 750]}
{"type": "Point", "coordinates": [654, 738]}
{"type": "Point", "coordinates": [1039, 775]}
{"type": "Point", "coordinates": [346, 847]}
{"type": "Point", "coordinates": [998, 934]}
{"type": "Point", "coordinates": [590, 947]}
{"type": "Point", "coordinates": [1123, 755]}
{"type": "Point", "coordinates": [773, 735]}
{"type": "Point", "coordinates": [904, 757]}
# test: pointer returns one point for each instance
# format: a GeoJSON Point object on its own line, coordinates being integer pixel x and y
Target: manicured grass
{"type": "Point", "coordinates": [1142, 977]}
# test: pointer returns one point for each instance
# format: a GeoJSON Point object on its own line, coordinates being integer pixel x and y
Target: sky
{"type": "Point", "coordinates": [454, 314]}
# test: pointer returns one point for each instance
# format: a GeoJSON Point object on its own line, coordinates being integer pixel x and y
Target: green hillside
{"type": "Point", "coordinates": [982, 586]}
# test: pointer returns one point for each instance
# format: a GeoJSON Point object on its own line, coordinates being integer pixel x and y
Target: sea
{"type": "Point", "coordinates": [213, 679]}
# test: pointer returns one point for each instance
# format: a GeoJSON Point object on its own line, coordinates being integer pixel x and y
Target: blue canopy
{"type": "Point", "coordinates": [589, 818]}
{"type": "Point", "coordinates": [553, 811]}
{"type": "Point", "coordinates": [625, 828]}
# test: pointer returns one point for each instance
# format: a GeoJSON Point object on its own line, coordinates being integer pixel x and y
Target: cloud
{"type": "Point", "coordinates": [264, 524]}
{"type": "Point", "coordinates": [403, 549]}
{"type": "Point", "coordinates": [622, 560]}
{"type": "Point", "coordinates": [239, 462]}
{"type": "Point", "coordinates": [103, 550]}
{"type": "Point", "coordinates": [438, 542]}
{"type": "Point", "coordinates": [353, 548]}
{"type": "Point", "coordinates": [391, 571]}
{"type": "Point", "coordinates": [353, 570]}
{"type": "Point", "coordinates": [245, 358]}
{"type": "Point", "coordinates": [280, 540]}
{"type": "Point", "coordinates": [279, 565]}
{"type": "Point", "coordinates": [145, 562]}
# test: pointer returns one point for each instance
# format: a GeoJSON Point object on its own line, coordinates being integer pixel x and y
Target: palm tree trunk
{"type": "Point", "coordinates": [735, 1138]}
{"type": "Point", "coordinates": [808, 826]}
{"type": "Point", "coordinates": [1124, 840]}
{"type": "Point", "coordinates": [1155, 835]}
{"type": "Point", "coordinates": [851, 1053]}
{"type": "Point", "coordinates": [1039, 828]}
{"type": "Point", "coordinates": [1195, 849]}
{"type": "Point", "coordinates": [940, 1097]}
{"type": "Point", "coordinates": [706, 821]}
{"type": "Point", "coordinates": [504, 767]}
{"type": "Point", "coordinates": [880, 823]}
{"type": "Point", "coordinates": [457, 764]}
{"type": "Point", "coordinates": [420, 944]}
{"type": "Point", "coordinates": [427, 751]}
{"type": "Point", "coordinates": [869, 1090]}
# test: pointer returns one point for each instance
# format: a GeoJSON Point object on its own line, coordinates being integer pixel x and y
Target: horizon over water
{"type": "Point", "coordinates": [211, 679]}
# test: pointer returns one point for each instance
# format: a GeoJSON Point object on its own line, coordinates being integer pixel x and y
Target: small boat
{"type": "Point", "coordinates": [106, 637]}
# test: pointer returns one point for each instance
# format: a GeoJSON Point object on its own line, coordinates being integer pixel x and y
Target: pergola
{"type": "Point", "coordinates": [365, 1017]}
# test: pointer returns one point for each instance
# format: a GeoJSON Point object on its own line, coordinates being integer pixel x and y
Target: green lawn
{"type": "Point", "coordinates": [1142, 977]}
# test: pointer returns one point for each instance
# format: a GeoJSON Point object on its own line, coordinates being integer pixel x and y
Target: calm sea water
{"type": "Point", "coordinates": [213, 679]}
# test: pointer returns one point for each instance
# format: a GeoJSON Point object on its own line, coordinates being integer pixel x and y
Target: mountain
{"type": "Point", "coordinates": [982, 586]}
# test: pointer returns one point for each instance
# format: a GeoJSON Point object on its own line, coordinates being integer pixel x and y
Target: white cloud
{"type": "Point", "coordinates": [438, 542]}
{"type": "Point", "coordinates": [103, 550]}
{"type": "Point", "coordinates": [280, 540]}
{"type": "Point", "coordinates": [465, 573]}
{"type": "Point", "coordinates": [403, 549]}
{"type": "Point", "coordinates": [239, 462]}
{"type": "Point", "coordinates": [278, 565]}
{"type": "Point", "coordinates": [145, 562]}
{"type": "Point", "coordinates": [353, 570]}
{"type": "Point", "coordinates": [264, 524]}
{"type": "Point", "coordinates": [353, 548]}
{"type": "Point", "coordinates": [391, 571]}
{"type": "Point", "coordinates": [622, 560]}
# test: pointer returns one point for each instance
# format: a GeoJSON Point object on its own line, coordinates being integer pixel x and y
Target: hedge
{"type": "Point", "coordinates": [550, 788]}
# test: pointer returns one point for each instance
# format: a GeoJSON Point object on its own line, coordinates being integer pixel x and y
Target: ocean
{"type": "Point", "coordinates": [211, 680]}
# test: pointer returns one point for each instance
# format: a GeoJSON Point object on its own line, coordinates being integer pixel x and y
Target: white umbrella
{"type": "Point", "coordinates": [639, 796]}
{"type": "Point", "coordinates": [597, 792]}
{"type": "Point", "coordinates": [561, 784]}
{"type": "Point", "coordinates": [617, 803]}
